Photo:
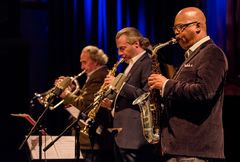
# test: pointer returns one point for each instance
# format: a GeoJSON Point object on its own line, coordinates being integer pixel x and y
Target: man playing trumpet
{"type": "Point", "coordinates": [93, 61]}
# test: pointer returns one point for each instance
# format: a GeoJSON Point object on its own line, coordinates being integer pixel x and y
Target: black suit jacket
{"type": "Point", "coordinates": [126, 115]}
{"type": "Point", "coordinates": [194, 100]}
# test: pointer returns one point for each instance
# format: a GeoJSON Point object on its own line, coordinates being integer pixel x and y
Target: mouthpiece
{"type": "Point", "coordinates": [173, 41]}
{"type": "Point", "coordinates": [161, 45]}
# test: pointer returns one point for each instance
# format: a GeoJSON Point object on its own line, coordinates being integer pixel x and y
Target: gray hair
{"type": "Point", "coordinates": [96, 54]}
{"type": "Point", "coordinates": [133, 35]}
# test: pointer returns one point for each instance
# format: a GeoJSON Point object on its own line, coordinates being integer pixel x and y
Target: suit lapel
{"type": "Point", "coordinates": [194, 53]}
{"type": "Point", "coordinates": [135, 66]}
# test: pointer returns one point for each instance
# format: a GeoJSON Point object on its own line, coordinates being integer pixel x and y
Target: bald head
{"type": "Point", "coordinates": [191, 14]}
{"type": "Point", "coordinates": [189, 26]}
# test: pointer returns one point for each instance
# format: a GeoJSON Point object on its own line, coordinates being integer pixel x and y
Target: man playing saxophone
{"type": "Point", "coordinates": [93, 61]}
{"type": "Point", "coordinates": [192, 129]}
{"type": "Point", "coordinates": [130, 143]}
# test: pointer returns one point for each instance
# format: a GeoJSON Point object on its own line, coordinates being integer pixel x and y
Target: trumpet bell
{"type": "Point", "coordinates": [48, 98]}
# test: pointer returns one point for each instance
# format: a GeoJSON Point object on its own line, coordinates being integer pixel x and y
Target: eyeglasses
{"type": "Point", "coordinates": [181, 27]}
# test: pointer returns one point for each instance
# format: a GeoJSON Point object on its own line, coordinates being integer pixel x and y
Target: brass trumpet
{"type": "Point", "coordinates": [46, 98]}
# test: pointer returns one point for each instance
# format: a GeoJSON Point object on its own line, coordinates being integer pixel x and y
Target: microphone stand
{"type": "Point", "coordinates": [77, 134]}
{"type": "Point", "coordinates": [77, 142]}
{"type": "Point", "coordinates": [77, 137]}
{"type": "Point", "coordinates": [40, 142]}
{"type": "Point", "coordinates": [82, 115]}
{"type": "Point", "coordinates": [40, 133]}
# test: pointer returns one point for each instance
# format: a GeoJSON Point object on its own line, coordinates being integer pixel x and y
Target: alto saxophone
{"type": "Point", "coordinates": [97, 101]}
{"type": "Point", "coordinates": [150, 104]}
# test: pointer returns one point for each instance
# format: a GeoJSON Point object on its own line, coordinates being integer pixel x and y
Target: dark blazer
{"type": "Point", "coordinates": [84, 99]}
{"type": "Point", "coordinates": [194, 101]}
{"type": "Point", "coordinates": [126, 115]}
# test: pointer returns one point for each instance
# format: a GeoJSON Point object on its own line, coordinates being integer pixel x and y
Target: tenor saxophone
{"type": "Point", "coordinates": [150, 104]}
{"type": "Point", "coordinates": [97, 101]}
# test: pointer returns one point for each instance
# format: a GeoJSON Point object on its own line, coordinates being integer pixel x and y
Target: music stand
{"type": "Point", "coordinates": [37, 124]}
{"type": "Point", "coordinates": [118, 82]}
{"type": "Point", "coordinates": [77, 134]}
{"type": "Point", "coordinates": [77, 138]}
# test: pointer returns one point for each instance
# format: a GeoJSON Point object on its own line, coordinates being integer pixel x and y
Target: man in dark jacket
{"type": "Point", "coordinates": [192, 129]}
{"type": "Point", "coordinates": [130, 141]}
{"type": "Point", "coordinates": [93, 60]}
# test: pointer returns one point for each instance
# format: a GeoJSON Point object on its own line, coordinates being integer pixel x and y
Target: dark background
{"type": "Point", "coordinates": [41, 40]}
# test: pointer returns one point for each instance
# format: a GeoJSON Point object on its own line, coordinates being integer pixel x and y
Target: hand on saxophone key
{"type": "Point", "coordinates": [107, 103]}
{"type": "Point", "coordinates": [108, 80]}
{"type": "Point", "coordinates": [156, 81]}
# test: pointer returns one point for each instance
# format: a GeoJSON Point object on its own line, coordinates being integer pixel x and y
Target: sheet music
{"type": "Point", "coordinates": [64, 148]}
{"type": "Point", "coordinates": [73, 111]}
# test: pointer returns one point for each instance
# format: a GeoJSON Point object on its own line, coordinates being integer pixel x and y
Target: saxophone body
{"type": "Point", "coordinates": [150, 102]}
{"type": "Point", "coordinates": [148, 114]}
{"type": "Point", "coordinates": [99, 96]}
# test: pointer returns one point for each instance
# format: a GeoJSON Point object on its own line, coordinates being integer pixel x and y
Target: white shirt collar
{"type": "Point", "coordinates": [132, 61]}
{"type": "Point", "coordinates": [197, 44]}
{"type": "Point", "coordinates": [135, 58]}
{"type": "Point", "coordinates": [89, 74]}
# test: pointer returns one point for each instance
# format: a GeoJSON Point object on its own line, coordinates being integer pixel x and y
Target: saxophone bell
{"type": "Point", "coordinates": [151, 132]}
{"type": "Point", "coordinates": [141, 98]}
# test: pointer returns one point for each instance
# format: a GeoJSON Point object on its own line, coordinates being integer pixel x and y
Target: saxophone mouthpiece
{"type": "Point", "coordinates": [173, 41]}
{"type": "Point", "coordinates": [161, 45]}
{"type": "Point", "coordinates": [120, 60]}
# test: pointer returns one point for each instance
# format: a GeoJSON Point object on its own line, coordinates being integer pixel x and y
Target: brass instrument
{"type": "Point", "coordinates": [97, 101]}
{"type": "Point", "coordinates": [149, 102]}
{"type": "Point", "coordinates": [46, 98]}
